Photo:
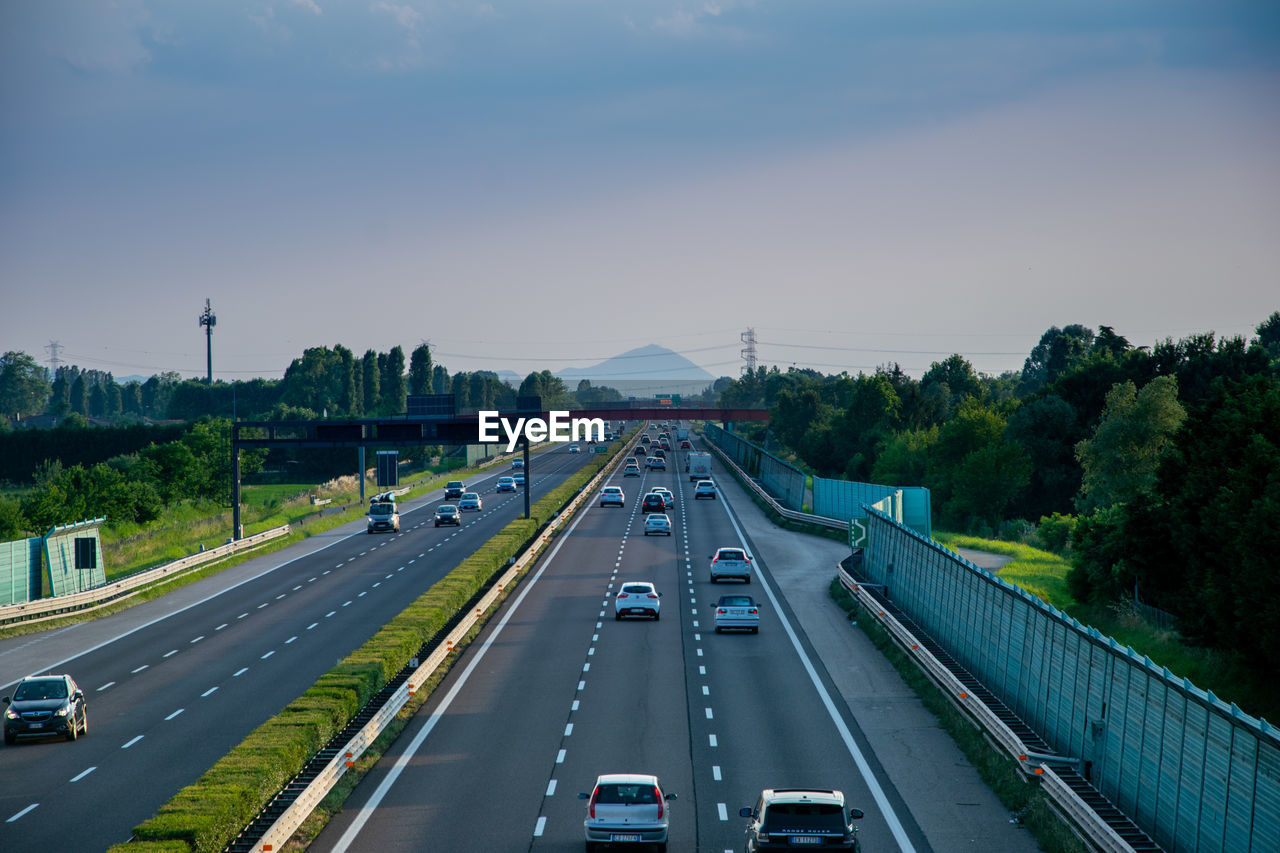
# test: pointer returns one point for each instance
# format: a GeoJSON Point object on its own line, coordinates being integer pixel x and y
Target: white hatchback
{"type": "Point", "coordinates": [637, 598]}
{"type": "Point", "coordinates": [612, 495]}
{"type": "Point", "coordinates": [627, 808]}
{"type": "Point", "coordinates": [657, 523]}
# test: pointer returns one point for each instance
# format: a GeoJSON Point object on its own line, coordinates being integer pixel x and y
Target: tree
{"type": "Point", "coordinates": [958, 377]}
{"type": "Point", "coordinates": [393, 386]}
{"type": "Point", "coordinates": [79, 395]}
{"type": "Point", "coordinates": [985, 481]}
{"type": "Point", "coordinates": [369, 382]}
{"type": "Point", "coordinates": [24, 385]}
{"type": "Point", "coordinates": [440, 381]}
{"type": "Point", "coordinates": [420, 370]}
{"type": "Point", "coordinates": [1057, 352]}
{"type": "Point", "coordinates": [98, 400]}
{"type": "Point", "coordinates": [1045, 428]}
{"type": "Point", "coordinates": [13, 524]}
{"type": "Point", "coordinates": [349, 402]}
{"type": "Point", "coordinates": [1120, 461]}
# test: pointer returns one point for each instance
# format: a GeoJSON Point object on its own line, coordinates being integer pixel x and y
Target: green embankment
{"type": "Point", "coordinates": [208, 814]}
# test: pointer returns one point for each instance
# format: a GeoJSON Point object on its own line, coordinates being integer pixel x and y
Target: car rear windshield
{"type": "Point", "coordinates": [41, 690]}
{"type": "Point", "coordinates": [619, 794]}
{"type": "Point", "coordinates": [635, 588]}
{"type": "Point", "coordinates": [781, 817]}
{"type": "Point", "coordinates": [732, 555]}
{"type": "Point", "coordinates": [735, 601]}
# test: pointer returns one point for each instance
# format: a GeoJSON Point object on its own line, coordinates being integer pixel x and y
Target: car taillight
{"type": "Point", "coordinates": [657, 795]}
{"type": "Point", "coordinates": [653, 595]}
{"type": "Point", "coordinates": [591, 810]}
{"type": "Point", "coordinates": [721, 611]}
{"type": "Point", "coordinates": [752, 611]}
{"type": "Point", "coordinates": [622, 595]}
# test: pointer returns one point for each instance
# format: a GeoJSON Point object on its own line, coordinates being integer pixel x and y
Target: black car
{"type": "Point", "coordinates": [45, 706]}
{"type": "Point", "coordinates": [448, 514]}
{"type": "Point", "coordinates": [653, 503]}
{"type": "Point", "coordinates": [640, 451]}
{"type": "Point", "coordinates": [454, 489]}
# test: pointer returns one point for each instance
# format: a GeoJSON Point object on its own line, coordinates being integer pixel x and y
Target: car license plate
{"type": "Point", "coordinates": [617, 837]}
{"type": "Point", "coordinates": [806, 839]}
{"type": "Point", "coordinates": [37, 725]}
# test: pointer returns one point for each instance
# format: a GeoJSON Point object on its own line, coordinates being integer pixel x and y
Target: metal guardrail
{"type": "Point", "coordinates": [1035, 763]}
{"type": "Point", "coordinates": [783, 511]}
{"type": "Point", "coordinates": [43, 609]}
{"type": "Point", "coordinates": [292, 816]}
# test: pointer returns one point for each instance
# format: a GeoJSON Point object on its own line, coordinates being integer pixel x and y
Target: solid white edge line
{"type": "Point", "coordinates": [364, 812]}
{"type": "Point", "coordinates": [877, 793]}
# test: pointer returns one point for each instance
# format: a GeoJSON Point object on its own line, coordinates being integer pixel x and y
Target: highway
{"type": "Point", "coordinates": [173, 684]}
{"type": "Point", "coordinates": [556, 691]}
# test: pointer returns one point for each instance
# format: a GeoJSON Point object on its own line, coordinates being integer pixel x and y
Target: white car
{"type": "Point", "coordinates": [573, 448]}
{"type": "Point", "coordinates": [637, 598]}
{"type": "Point", "coordinates": [657, 522]}
{"type": "Point", "coordinates": [704, 489]}
{"type": "Point", "coordinates": [737, 611]}
{"type": "Point", "coordinates": [730, 563]}
{"type": "Point", "coordinates": [627, 808]}
{"type": "Point", "coordinates": [612, 496]}
{"type": "Point", "coordinates": [668, 499]}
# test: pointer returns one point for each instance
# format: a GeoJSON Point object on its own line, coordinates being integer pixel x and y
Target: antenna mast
{"type": "Point", "coordinates": [208, 320]}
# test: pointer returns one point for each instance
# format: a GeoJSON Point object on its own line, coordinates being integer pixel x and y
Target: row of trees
{"type": "Point", "coordinates": [131, 487]}
{"type": "Point", "coordinates": [1157, 468]}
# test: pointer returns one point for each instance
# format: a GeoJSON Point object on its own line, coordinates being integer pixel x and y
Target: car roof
{"type": "Point", "coordinates": [626, 779]}
{"type": "Point", "coordinates": [806, 795]}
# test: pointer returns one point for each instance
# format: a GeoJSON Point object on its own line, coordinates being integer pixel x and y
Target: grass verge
{"type": "Point", "coordinates": [1019, 795]}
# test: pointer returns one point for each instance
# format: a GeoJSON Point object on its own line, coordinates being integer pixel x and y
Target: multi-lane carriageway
{"type": "Point", "coordinates": [174, 683]}
{"type": "Point", "coordinates": [555, 692]}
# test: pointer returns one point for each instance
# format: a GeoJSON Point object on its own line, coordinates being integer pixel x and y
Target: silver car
{"type": "Point", "coordinates": [730, 563]}
{"type": "Point", "coordinates": [470, 502]}
{"type": "Point", "coordinates": [737, 611]}
{"type": "Point", "coordinates": [627, 808]}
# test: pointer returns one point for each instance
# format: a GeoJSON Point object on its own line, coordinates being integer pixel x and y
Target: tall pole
{"type": "Point", "coordinates": [208, 320]}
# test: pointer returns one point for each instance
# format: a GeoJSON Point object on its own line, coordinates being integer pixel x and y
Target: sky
{"type": "Point", "coordinates": [544, 184]}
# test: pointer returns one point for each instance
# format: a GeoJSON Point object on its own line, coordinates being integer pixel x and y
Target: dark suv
{"type": "Point", "coordinates": [653, 503]}
{"type": "Point", "coordinates": [453, 490]}
{"type": "Point", "coordinates": [44, 706]}
{"type": "Point", "coordinates": [812, 817]}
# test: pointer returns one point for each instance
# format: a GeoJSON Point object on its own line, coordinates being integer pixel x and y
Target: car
{"type": "Point", "coordinates": [627, 808]}
{"type": "Point", "coordinates": [737, 611]}
{"type": "Point", "coordinates": [644, 439]}
{"type": "Point", "coordinates": [448, 514]}
{"type": "Point", "coordinates": [382, 514]}
{"type": "Point", "coordinates": [665, 443]}
{"type": "Point", "coordinates": [573, 448]}
{"type": "Point", "coordinates": [684, 444]}
{"type": "Point", "coordinates": [637, 598]}
{"type": "Point", "coordinates": [653, 503]}
{"type": "Point", "coordinates": [813, 818]}
{"type": "Point", "coordinates": [631, 471]}
{"type": "Point", "coordinates": [640, 451]}
{"type": "Point", "coordinates": [45, 706]}
{"type": "Point", "coordinates": [656, 462]}
{"type": "Point", "coordinates": [668, 499]}
{"type": "Point", "coordinates": [506, 484]}
{"type": "Point", "coordinates": [517, 464]}
{"type": "Point", "coordinates": [660, 453]}
{"type": "Point", "coordinates": [730, 563]}
{"type": "Point", "coordinates": [704, 489]}
{"type": "Point", "coordinates": [518, 478]}
{"type": "Point", "coordinates": [658, 522]}
{"type": "Point", "coordinates": [612, 496]}
{"type": "Point", "coordinates": [453, 490]}
{"type": "Point", "coordinates": [470, 502]}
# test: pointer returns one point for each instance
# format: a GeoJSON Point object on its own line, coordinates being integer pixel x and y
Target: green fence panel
{"type": "Point", "coordinates": [60, 545]}
{"type": "Point", "coordinates": [20, 571]}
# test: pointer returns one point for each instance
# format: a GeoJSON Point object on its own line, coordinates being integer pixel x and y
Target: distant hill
{"type": "Point", "coordinates": [649, 363]}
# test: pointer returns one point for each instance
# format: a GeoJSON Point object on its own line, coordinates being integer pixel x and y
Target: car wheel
{"type": "Point", "coordinates": [74, 731]}
{"type": "Point", "coordinates": [10, 739]}
{"type": "Point", "coordinates": [657, 616]}
{"type": "Point", "coordinates": [617, 617]}
{"type": "Point", "coordinates": [748, 578]}
{"type": "Point", "coordinates": [84, 722]}
{"type": "Point", "coordinates": [719, 629]}
{"type": "Point", "coordinates": [756, 629]}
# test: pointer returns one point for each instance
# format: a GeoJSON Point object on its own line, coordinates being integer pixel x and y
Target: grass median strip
{"type": "Point", "coordinates": [208, 814]}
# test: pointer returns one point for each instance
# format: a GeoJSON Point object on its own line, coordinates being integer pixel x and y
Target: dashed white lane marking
{"type": "Point", "coordinates": [174, 714]}
{"type": "Point", "coordinates": [722, 811]}
{"type": "Point", "coordinates": [560, 757]}
{"type": "Point", "coordinates": [198, 639]}
{"type": "Point", "coordinates": [281, 595]}
{"type": "Point", "coordinates": [574, 706]}
{"type": "Point", "coordinates": [209, 692]}
{"type": "Point", "coordinates": [311, 580]}
{"type": "Point", "coordinates": [264, 604]}
{"type": "Point", "coordinates": [105, 686]}
{"type": "Point", "coordinates": [330, 613]}
{"type": "Point", "coordinates": [239, 672]}
{"type": "Point", "coordinates": [242, 615]}
{"type": "Point", "coordinates": [715, 772]}
{"type": "Point", "coordinates": [568, 729]}
{"type": "Point", "coordinates": [551, 788]}
{"type": "Point", "coordinates": [702, 670]}
{"type": "Point", "coordinates": [298, 587]}
{"type": "Point", "coordinates": [220, 627]}
{"type": "Point", "coordinates": [706, 691]}
{"type": "Point", "coordinates": [132, 742]}
{"type": "Point", "coordinates": [363, 594]}
{"type": "Point", "coordinates": [139, 669]}
{"type": "Point", "coordinates": [21, 813]}
{"type": "Point", "coordinates": [708, 710]}
{"type": "Point", "coordinates": [586, 667]}
{"type": "Point", "coordinates": [346, 604]}
{"type": "Point", "coordinates": [582, 684]}
{"type": "Point", "coordinates": [83, 774]}
{"type": "Point", "coordinates": [711, 739]}
{"type": "Point", "coordinates": [591, 651]}
{"type": "Point", "coordinates": [537, 830]}
{"type": "Point", "coordinates": [268, 654]}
